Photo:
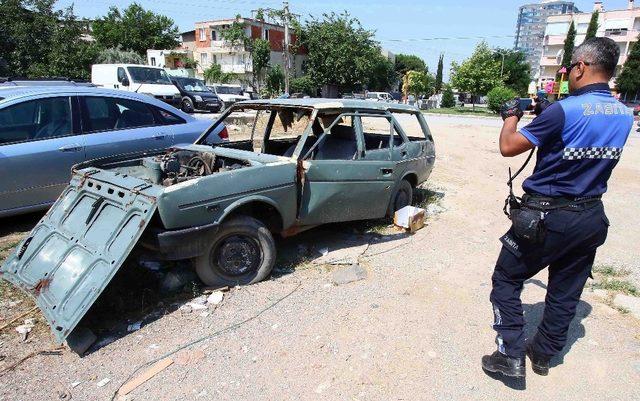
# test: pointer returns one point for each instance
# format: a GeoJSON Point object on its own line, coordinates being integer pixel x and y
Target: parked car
{"type": "Point", "coordinates": [196, 95]}
{"type": "Point", "coordinates": [229, 94]}
{"type": "Point", "coordinates": [44, 131]}
{"type": "Point", "coordinates": [152, 81]}
{"type": "Point", "coordinates": [379, 96]}
{"type": "Point", "coordinates": [13, 82]}
{"type": "Point", "coordinates": [293, 165]}
{"type": "Point", "coordinates": [635, 105]}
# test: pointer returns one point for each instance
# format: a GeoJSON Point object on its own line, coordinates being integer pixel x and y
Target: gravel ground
{"type": "Point", "coordinates": [414, 328]}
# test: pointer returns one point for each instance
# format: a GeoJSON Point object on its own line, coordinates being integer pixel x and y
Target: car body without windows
{"type": "Point", "coordinates": [45, 130]}
{"type": "Point", "coordinates": [303, 163]}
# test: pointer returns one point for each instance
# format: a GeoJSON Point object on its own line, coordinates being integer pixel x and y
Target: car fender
{"type": "Point", "coordinates": [230, 209]}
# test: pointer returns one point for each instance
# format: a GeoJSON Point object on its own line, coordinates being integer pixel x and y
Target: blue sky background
{"type": "Point", "coordinates": [398, 23]}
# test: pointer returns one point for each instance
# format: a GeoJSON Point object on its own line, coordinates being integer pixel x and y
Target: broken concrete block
{"type": "Point", "coordinates": [349, 274]}
{"type": "Point", "coordinates": [632, 304]}
{"type": "Point", "coordinates": [215, 298]}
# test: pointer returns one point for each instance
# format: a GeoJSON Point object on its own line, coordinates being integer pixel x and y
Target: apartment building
{"type": "Point", "coordinates": [210, 47]}
{"type": "Point", "coordinates": [530, 27]}
{"type": "Point", "coordinates": [623, 26]}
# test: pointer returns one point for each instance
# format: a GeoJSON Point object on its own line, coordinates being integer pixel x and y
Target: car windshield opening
{"type": "Point", "coordinates": [193, 85]}
{"type": "Point", "coordinates": [146, 75]}
{"type": "Point", "coordinates": [271, 130]}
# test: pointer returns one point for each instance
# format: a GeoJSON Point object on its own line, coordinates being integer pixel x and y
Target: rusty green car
{"type": "Point", "coordinates": [289, 165]}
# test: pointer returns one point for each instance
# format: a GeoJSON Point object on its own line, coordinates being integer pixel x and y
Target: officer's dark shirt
{"type": "Point", "coordinates": [580, 140]}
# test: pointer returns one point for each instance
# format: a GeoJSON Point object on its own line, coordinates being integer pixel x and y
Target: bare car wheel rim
{"type": "Point", "coordinates": [237, 255]}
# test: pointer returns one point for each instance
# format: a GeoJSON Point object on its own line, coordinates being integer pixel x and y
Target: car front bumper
{"type": "Point", "coordinates": [208, 105]}
{"type": "Point", "coordinates": [179, 244]}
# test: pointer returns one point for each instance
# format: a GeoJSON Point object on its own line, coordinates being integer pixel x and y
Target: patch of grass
{"type": "Point", "coordinates": [423, 197]}
{"type": "Point", "coordinates": [608, 270]}
{"type": "Point", "coordinates": [617, 285]}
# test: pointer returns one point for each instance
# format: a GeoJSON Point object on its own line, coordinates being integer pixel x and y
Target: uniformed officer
{"type": "Point", "coordinates": [561, 221]}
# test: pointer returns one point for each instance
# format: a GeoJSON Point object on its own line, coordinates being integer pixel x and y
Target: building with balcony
{"type": "Point", "coordinates": [623, 26]}
{"type": "Point", "coordinates": [210, 48]}
{"type": "Point", "coordinates": [532, 19]}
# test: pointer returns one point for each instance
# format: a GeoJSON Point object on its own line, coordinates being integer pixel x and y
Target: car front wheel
{"type": "Point", "coordinates": [242, 252]}
{"type": "Point", "coordinates": [187, 105]}
{"type": "Point", "coordinates": [402, 197]}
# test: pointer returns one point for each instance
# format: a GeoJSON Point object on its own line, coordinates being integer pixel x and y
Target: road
{"type": "Point", "coordinates": [413, 329]}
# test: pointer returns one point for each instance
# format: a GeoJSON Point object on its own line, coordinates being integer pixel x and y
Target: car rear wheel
{"type": "Point", "coordinates": [242, 252]}
{"type": "Point", "coordinates": [402, 197]}
{"type": "Point", "coordinates": [187, 105]}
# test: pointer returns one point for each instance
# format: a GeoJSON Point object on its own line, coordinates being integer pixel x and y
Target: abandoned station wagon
{"type": "Point", "coordinates": [289, 165]}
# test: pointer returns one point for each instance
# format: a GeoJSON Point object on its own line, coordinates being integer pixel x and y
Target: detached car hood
{"type": "Point", "coordinates": [75, 250]}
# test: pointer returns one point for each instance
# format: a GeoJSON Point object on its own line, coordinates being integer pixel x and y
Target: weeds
{"type": "Point", "coordinates": [617, 285]}
{"type": "Point", "coordinates": [608, 270]}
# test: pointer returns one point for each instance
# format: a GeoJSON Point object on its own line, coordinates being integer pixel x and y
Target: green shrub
{"type": "Point", "coordinates": [498, 96]}
{"type": "Point", "coordinates": [448, 100]}
{"type": "Point", "coordinates": [304, 85]}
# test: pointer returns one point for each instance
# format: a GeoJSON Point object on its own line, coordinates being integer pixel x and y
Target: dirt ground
{"type": "Point", "coordinates": [413, 329]}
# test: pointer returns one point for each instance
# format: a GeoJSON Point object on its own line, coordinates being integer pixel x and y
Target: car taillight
{"type": "Point", "coordinates": [224, 134]}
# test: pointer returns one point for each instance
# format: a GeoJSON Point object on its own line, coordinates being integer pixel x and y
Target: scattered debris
{"type": "Point", "coordinates": [75, 384]}
{"type": "Point", "coordinates": [134, 326]}
{"type": "Point", "coordinates": [410, 218]}
{"type": "Point", "coordinates": [103, 382]}
{"type": "Point", "coordinates": [349, 274]}
{"type": "Point", "coordinates": [176, 279]}
{"type": "Point", "coordinates": [195, 306]}
{"type": "Point", "coordinates": [24, 329]}
{"type": "Point", "coordinates": [20, 316]}
{"type": "Point", "coordinates": [54, 351]}
{"type": "Point", "coordinates": [154, 346]}
{"type": "Point", "coordinates": [204, 314]}
{"type": "Point", "coordinates": [215, 298]}
{"type": "Point", "coordinates": [146, 375]}
{"type": "Point", "coordinates": [64, 395]}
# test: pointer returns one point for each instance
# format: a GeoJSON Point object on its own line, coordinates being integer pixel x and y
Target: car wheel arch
{"type": "Point", "coordinates": [260, 208]}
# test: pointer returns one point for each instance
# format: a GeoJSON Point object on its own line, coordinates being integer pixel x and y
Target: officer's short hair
{"type": "Point", "coordinates": [601, 53]}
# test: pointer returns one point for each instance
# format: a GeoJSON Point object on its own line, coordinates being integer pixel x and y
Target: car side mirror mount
{"type": "Point", "coordinates": [125, 81]}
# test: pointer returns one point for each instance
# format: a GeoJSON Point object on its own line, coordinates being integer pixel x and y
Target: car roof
{"type": "Point", "coordinates": [11, 93]}
{"type": "Point", "coordinates": [322, 103]}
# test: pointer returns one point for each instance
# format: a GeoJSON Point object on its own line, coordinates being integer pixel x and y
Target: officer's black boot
{"type": "Point", "coordinates": [500, 363]}
{"type": "Point", "coordinates": [539, 363]}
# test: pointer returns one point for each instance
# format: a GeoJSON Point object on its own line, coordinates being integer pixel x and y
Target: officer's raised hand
{"type": "Point", "coordinates": [512, 143]}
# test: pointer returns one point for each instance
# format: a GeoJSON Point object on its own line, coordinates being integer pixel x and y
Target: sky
{"type": "Point", "coordinates": [401, 26]}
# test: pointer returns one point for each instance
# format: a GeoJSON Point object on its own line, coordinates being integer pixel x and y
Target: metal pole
{"type": "Point", "coordinates": [285, 6]}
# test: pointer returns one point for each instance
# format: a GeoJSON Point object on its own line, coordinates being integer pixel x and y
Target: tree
{"type": "Point", "coordinates": [118, 56]}
{"type": "Point", "coordinates": [628, 81]}
{"type": "Point", "coordinates": [383, 76]}
{"type": "Point", "coordinates": [593, 25]}
{"type": "Point", "coordinates": [214, 74]}
{"type": "Point", "coordinates": [478, 74]}
{"type": "Point", "coordinates": [274, 81]}
{"type": "Point", "coordinates": [516, 72]}
{"type": "Point", "coordinates": [341, 52]}
{"type": "Point", "coordinates": [438, 85]}
{"type": "Point", "coordinates": [304, 85]}
{"type": "Point", "coordinates": [498, 96]}
{"type": "Point", "coordinates": [234, 36]}
{"type": "Point", "coordinates": [260, 56]}
{"type": "Point", "coordinates": [448, 99]}
{"type": "Point", "coordinates": [38, 41]}
{"type": "Point", "coordinates": [569, 45]}
{"type": "Point", "coordinates": [409, 62]}
{"type": "Point", "coordinates": [135, 29]}
{"type": "Point", "coordinates": [418, 83]}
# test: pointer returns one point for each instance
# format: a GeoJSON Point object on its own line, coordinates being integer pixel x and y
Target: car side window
{"type": "Point", "coordinates": [377, 132]}
{"type": "Point", "coordinates": [36, 119]}
{"type": "Point", "coordinates": [166, 117]}
{"type": "Point", "coordinates": [121, 74]}
{"type": "Point", "coordinates": [410, 124]}
{"type": "Point", "coordinates": [338, 143]}
{"type": "Point", "coordinates": [109, 113]}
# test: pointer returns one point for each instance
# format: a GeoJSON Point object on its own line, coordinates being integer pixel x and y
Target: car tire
{"type": "Point", "coordinates": [225, 262]}
{"type": "Point", "coordinates": [187, 105]}
{"type": "Point", "coordinates": [403, 196]}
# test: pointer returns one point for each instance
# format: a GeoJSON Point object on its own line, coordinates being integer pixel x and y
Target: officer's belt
{"type": "Point", "coordinates": [545, 203]}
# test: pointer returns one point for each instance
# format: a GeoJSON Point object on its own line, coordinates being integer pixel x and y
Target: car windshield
{"type": "Point", "coordinates": [275, 130]}
{"type": "Point", "coordinates": [228, 90]}
{"type": "Point", "coordinates": [146, 75]}
{"type": "Point", "coordinates": [193, 85]}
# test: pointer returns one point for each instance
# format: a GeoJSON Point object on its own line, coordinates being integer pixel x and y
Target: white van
{"type": "Point", "coordinates": [152, 81]}
{"type": "Point", "coordinates": [379, 96]}
{"type": "Point", "coordinates": [229, 93]}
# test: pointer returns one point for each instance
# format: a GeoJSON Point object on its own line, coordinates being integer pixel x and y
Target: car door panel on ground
{"type": "Point", "coordinates": [38, 149]}
{"type": "Point", "coordinates": [338, 176]}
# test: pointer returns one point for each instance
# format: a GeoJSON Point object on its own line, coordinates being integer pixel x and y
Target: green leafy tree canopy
{"type": "Point", "coordinates": [418, 83]}
{"type": "Point", "coordinates": [479, 73]}
{"type": "Point", "coordinates": [214, 75]}
{"type": "Point", "coordinates": [498, 96]}
{"type": "Point", "coordinates": [628, 81]}
{"type": "Point", "coordinates": [409, 62]}
{"type": "Point", "coordinates": [516, 72]}
{"type": "Point", "coordinates": [135, 29]}
{"type": "Point", "coordinates": [341, 51]}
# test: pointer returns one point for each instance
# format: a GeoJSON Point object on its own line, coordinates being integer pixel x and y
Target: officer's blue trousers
{"type": "Point", "coordinates": [568, 250]}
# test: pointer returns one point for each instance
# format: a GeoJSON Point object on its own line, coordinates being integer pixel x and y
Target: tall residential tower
{"type": "Point", "coordinates": [530, 29]}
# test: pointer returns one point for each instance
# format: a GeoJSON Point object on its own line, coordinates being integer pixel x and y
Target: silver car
{"type": "Point", "coordinates": [44, 131]}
